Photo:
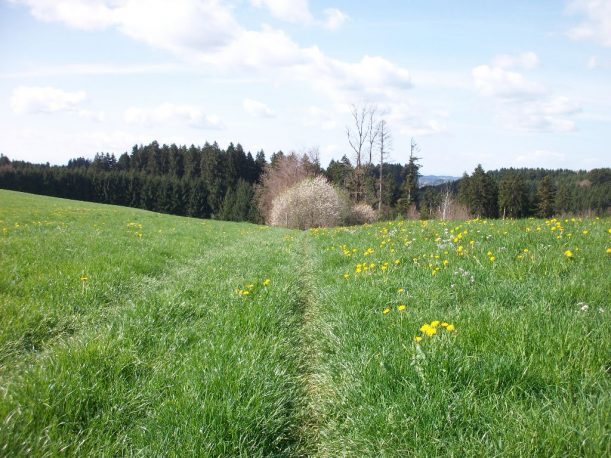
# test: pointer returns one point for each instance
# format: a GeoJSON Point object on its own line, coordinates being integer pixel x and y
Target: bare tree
{"type": "Point", "coordinates": [446, 203]}
{"type": "Point", "coordinates": [373, 129]}
{"type": "Point", "coordinates": [384, 142]}
{"type": "Point", "coordinates": [357, 136]}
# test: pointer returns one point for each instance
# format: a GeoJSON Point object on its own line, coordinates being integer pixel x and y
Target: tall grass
{"type": "Point", "coordinates": [125, 332]}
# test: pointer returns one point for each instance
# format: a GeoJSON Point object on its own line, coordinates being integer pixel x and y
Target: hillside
{"type": "Point", "coordinates": [128, 332]}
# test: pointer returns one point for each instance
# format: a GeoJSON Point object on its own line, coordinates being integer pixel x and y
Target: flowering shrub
{"type": "Point", "coordinates": [362, 213]}
{"type": "Point", "coordinates": [312, 202]}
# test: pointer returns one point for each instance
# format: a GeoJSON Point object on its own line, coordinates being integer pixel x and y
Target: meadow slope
{"type": "Point", "coordinates": [126, 332]}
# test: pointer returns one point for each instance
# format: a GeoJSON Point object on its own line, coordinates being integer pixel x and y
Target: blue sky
{"type": "Point", "coordinates": [500, 83]}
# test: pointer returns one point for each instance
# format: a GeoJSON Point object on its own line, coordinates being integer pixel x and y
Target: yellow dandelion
{"type": "Point", "coordinates": [428, 329]}
{"type": "Point", "coordinates": [444, 324]}
{"type": "Point", "coordinates": [492, 259]}
{"type": "Point", "coordinates": [402, 290]}
{"type": "Point", "coordinates": [568, 253]}
{"type": "Point", "coordinates": [386, 311]}
{"type": "Point", "coordinates": [266, 282]}
{"type": "Point", "coordinates": [450, 327]}
{"type": "Point", "coordinates": [435, 323]}
{"type": "Point", "coordinates": [417, 338]}
{"type": "Point", "coordinates": [84, 278]}
{"type": "Point", "coordinates": [346, 275]}
{"type": "Point", "coordinates": [401, 307]}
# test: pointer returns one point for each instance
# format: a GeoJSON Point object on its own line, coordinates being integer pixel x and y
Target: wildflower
{"type": "Point", "coordinates": [435, 323]}
{"type": "Point", "coordinates": [450, 327]}
{"type": "Point", "coordinates": [84, 278]}
{"type": "Point", "coordinates": [417, 338]}
{"type": "Point", "coordinates": [401, 307]}
{"type": "Point", "coordinates": [428, 330]}
{"type": "Point", "coordinates": [608, 250]}
{"type": "Point", "coordinates": [402, 290]}
{"type": "Point", "coordinates": [568, 253]}
{"type": "Point", "coordinates": [139, 234]}
{"type": "Point", "coordinates": [386, 311]}
{"type": "Point", "coordinates": [266, 282]}
{"type": "Point", "coordinates": [346, 275]}
{"type": "Point", "coordinates": [444, 324]}
{"type": "Point", "coordinates": [492, 259]}
{"type": "Point", "coordinates": [585, 232]}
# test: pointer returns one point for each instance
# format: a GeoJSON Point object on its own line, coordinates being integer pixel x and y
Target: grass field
{"type": "Point", "coordinates": [125, 332]}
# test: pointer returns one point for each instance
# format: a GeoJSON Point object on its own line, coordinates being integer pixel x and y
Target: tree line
{"type": "Point", "coordinates": [210, 182]}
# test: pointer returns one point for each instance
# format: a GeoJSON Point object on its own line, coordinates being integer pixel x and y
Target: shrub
{"type": "Point", "coordinates": [362, 213]}
{"type": "Point", "coordinates": [313, 202]}
{"type": "Point", "coordinates": [282, 174]}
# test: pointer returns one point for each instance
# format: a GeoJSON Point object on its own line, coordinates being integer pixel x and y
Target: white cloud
{"type": "Point", "coordinates": [319, 118]}
{"type": "Point", "coordinates": [298, 11]}
{"type": "Point", "coordinates": [97, 116]}
{"type": "Point", "coordinates": [31, 99]}
{"type": "Point", "coordinates": [205, 33]}
{"type": "Point", "coordinates": [498, 82]}
{"type": "Point", "coordinates": [540, 158]}
{"type": "Point", "coordinates": [527, 60]}
{"type": "Point", "coordinates": [257, 109]}
{"type": "Point", "coordinates": [287, 10]}
{"type": "Point", "coordinates": [522, 104]}
{"type": "Point", "coordinates": [596, 25]}
{"type": "Point", "coordinates": [334, 19]}
{"type": "Point", "coordinates": [172, 113]}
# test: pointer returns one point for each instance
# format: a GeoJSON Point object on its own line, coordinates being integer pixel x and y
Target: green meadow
{"type": "Point", "coordinates": [130, 333]}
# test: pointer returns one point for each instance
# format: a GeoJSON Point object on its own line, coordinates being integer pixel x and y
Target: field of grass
{"type": "Point", "coordinates": [126, 332]}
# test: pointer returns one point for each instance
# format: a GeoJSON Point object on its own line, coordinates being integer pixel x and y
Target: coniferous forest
{"type": "Point", "coordinates": [210, 182]}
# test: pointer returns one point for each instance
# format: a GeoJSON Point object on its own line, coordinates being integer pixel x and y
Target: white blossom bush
{"type": "Point", "coordinates": [312, 202]}
{"type": "Point", "coordinates": [362, 213]}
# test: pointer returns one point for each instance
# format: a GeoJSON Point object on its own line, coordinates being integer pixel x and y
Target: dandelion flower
{"type": "Point", "coordinates": [401, 307]}
{"type": "Point", "coordinates": [450, 327]}
{"type": "Point", "coordinates": [84, 278]}
{"type": "Point", "coordinates": [428, 329]}
{"type": "Point", "coordinates": [266, 282]}
{"type": "Point", "coordinates": [435, 323]}
{"type": "Point", "coordinates": [402, 290]}
{"type": "Point", "coordinates": [568, 253]}
{"type": "Point", "coordinates": [417, 338]}
{"type": "Point", "coordinates": [386, 311]}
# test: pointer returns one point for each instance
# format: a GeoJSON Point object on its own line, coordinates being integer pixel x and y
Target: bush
{"type": "Point", "coordinates": [361, 214]}
{"type": "Point", "coordinates": [282, 174]}
{"type": "Point", "coordinates": [312, 202]}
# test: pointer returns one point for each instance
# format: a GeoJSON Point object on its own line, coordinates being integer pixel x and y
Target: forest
{"type": "Point", "coordinates": [210, 182]}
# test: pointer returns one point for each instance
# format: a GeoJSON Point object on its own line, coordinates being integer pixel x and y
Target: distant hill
{"type": "Point", "coordinates": [434, 180]}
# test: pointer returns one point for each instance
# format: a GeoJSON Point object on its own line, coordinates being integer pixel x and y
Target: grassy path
{"type": "Point", "coordinates": [163, 355]}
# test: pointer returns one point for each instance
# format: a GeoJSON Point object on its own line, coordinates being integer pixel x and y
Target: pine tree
{"type": "Point", "coordinates": [545, 197]}
{"type": "Point", "coordinates": [409, 190]}
{"type": "Point", "coordinates": [513, 196]}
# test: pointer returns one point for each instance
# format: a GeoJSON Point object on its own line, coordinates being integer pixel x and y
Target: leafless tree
{"type": "Point", "coordinates": [357, 135]}
{"type": "Point", "coordinates": [373, 129]}
{"type": "Point", "coordinates": [384, 139]}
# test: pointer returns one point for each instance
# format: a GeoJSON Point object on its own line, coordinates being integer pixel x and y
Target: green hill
{"type": "Point", "coordinates": [127, 332]}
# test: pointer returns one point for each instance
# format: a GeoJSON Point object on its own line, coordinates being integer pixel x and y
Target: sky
{"type": "Point", "coordinates": [503, 84]}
